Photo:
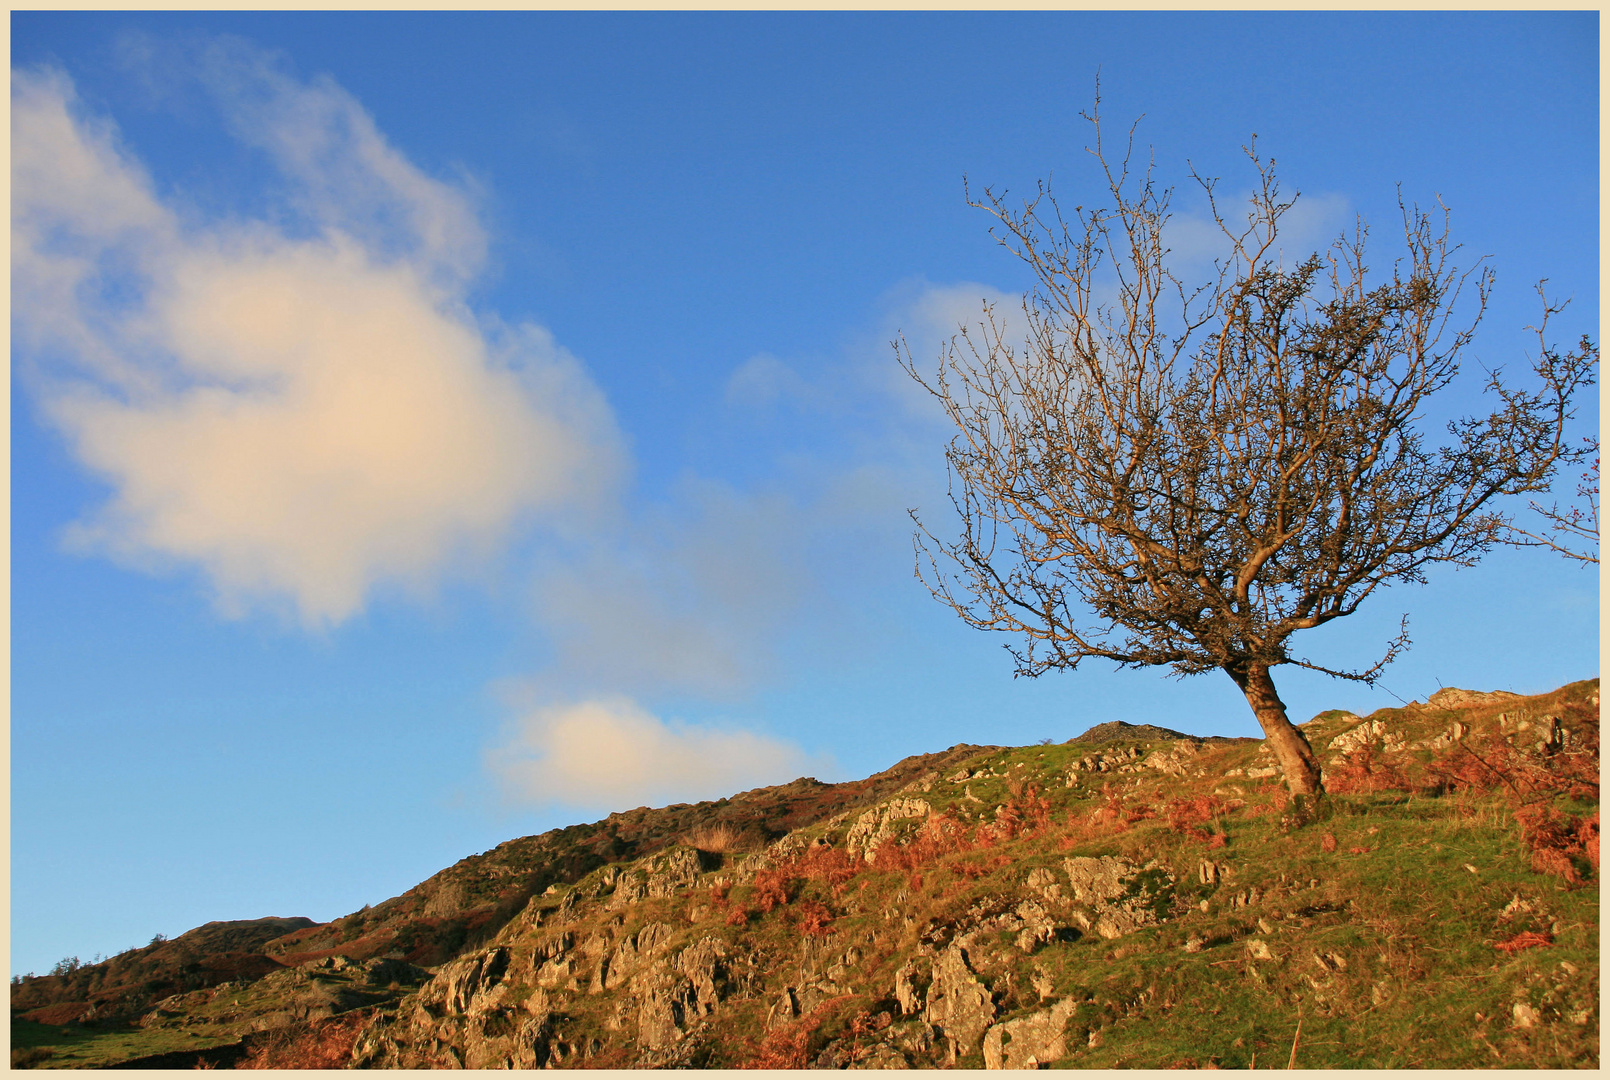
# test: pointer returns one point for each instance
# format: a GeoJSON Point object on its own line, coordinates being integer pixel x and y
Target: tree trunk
{"type": "Point", "coordinates": [1291, 749]}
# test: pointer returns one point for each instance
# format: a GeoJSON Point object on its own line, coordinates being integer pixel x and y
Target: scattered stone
{"type": "Point", "coordinates": [1516, 906]}
{"type": "Point", "coordinates": [1038, 927]}
{"type": "Point", "coordinates": [1043, 984]}
{"type": "Point", "coordinates": [784, 1010]}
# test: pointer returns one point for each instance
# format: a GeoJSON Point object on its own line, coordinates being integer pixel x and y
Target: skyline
{"type": "Point", "coordinates": [417, 445]}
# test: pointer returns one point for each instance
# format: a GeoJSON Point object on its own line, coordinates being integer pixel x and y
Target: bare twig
{"type": "Point", "coordinates": [1163, 475]}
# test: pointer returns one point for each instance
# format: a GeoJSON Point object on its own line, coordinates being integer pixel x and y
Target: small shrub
{"type": "Point", "coordinates": [1136, 814]}
{"type": "Point", "coordinates": [813, 918]}
{"type": "Point", "coordinates": [1558, 840]}
{"type": "Point", "coordinates": [1111, 812]}
{"type": "Point", "coordinates": [1491, 763]}
{"type": "Point", "coordinates": [321, 1044]}
{"type": "Point", "coordinates": [788, 1047]}
{"type": "Point", "coordinates": [771, 889]}
{"type": "Point", "coordinates": [28, 1057]}
{"type": "Point", "coordinates": [1529, 939]}
{"type": "Point", "coordinates": [829, 866]}
{"type": "Point", "coordinates": [718, 839]}
{"type": "Point", "coordinates": [1362, 771]}
{"type": "Point", "coordinates": [940, 836]}
{"type": "Point", "coordinates": [1187, 816]}
{"type": "Point", "coordinates": [971, 870]}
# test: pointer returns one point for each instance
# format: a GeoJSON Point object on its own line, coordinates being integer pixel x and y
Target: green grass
{"type": "Point", "coordinates": [1370, 919]}
{"type": "Point", "coordinates": [75, 1047]}
{"type": "Point", "coordinates": [1410, 975]}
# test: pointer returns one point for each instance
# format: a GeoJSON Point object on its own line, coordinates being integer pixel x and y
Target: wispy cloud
{"type": "Point", "coordinates": [305, 409]}
{"type": "Point", "coordinates": [763, 381]}
{"type": "Point", "coordinates": [1195, 240]}
{"type": "Point", "coordinates": [609, 753]}
{"type": "Point", "coordinates": [692, 598]}
{"type": "Point", "coordinates": [924, 318]}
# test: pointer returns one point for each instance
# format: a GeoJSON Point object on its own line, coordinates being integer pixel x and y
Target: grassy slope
{"type": "Point", "coordinates": [74, 1047]}
{"type": "Point", "coordinates": [1378, 914]}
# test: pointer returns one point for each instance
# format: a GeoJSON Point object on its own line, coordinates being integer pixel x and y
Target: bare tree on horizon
{"type": "Point", "coordinates": [1188, 476]}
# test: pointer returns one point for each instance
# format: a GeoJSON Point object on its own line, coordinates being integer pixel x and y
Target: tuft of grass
{"type": "Point", "coordinates": [30, 1057]}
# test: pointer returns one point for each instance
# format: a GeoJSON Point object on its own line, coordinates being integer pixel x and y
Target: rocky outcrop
{"type": "Point", "coordinates": [1119, 896]}
{"type": "Point", "coordinates": [980, 913]}
{"type": "Point", "coordinates": [1367, 733]}
{"type": "Point", "coordinates": [959, 1005]}
{"type": "Point", "coordinates": [1175, 760]}
{"type": "Point", "coordinates": [1030, 1041]}
{"type": "Point", "coordinates": [877, 826]}
{"type": "Point", "coordinates": [1451, 697]}
{"type": "Point", "coordinates": [1119, 731]}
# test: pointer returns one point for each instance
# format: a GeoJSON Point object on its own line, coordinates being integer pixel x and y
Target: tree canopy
{"type": "Point", "coordinates": [1163, 474]}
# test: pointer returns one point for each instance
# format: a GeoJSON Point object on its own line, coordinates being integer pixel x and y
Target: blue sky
{"type": "Point", "coordinates": [432, 429]}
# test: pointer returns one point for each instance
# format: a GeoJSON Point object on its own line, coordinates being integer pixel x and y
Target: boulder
{"type": "Point", "coordinates": [1030, 1041]}
{"type": "Point", "coordinates": [467, 985]}
{"type": "Point", "coordinates": [672, 872]}
{"type": "Point", "coordinates": [701, 964]}
{"type": "Point", "coordinates": [882, 1056]}
{"type": "Point", "coordinates": [906, 991]}
{"type": "Point", "coordinates": [958, 1003]}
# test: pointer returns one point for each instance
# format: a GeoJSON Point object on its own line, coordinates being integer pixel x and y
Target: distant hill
{"type": "Point", "coordinates": [1134, 897]}
{"type": "Point", "coordinates": [1118, 730]}
{"type": "Point", "coordinates": [216, 953]}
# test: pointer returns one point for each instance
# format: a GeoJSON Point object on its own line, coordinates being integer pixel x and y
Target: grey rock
{"type": "Point", "coordinates": [1030, 1041]}
{"type": "Point", "coordinates": [958, 1003]}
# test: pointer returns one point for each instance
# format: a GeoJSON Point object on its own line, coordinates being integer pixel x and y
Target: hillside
{"type": "Point", "coordinates": [1132, 897]}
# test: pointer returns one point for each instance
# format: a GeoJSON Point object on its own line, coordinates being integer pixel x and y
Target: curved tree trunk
{"type": "Point", "coordinates": [1291, 749]}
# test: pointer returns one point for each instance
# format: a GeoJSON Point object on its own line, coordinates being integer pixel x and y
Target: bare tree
{"type": "Point", "coordinates": [1573, 531]}
{"type": "Point", "coordinates": [1189, 476]}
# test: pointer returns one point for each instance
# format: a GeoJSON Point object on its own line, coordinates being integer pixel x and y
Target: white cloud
{"type": "Point", "coordinates": [1194, 239]}
{"type": "Point", "coordinates": [609, 753]}
{"type": "Point", "coordinates": [924, 318]}
{"type": "Point", "coordinates": [303, 413]}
